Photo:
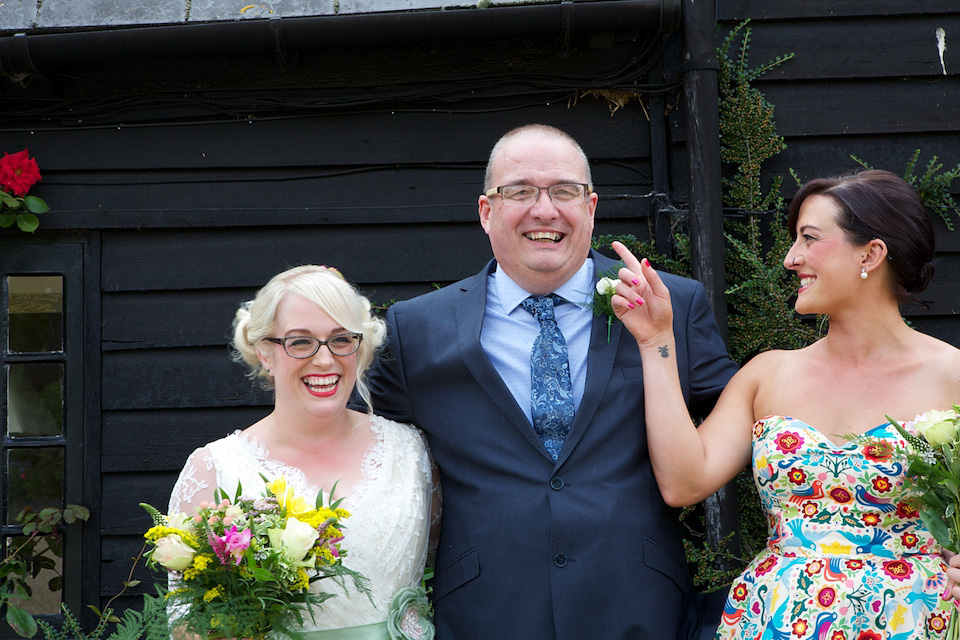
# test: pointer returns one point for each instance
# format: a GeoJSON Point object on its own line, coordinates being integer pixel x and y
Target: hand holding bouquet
{"type": "Point", "coordinates": [244, 567]}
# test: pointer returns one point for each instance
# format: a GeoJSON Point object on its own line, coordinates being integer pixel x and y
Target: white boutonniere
{"type": "Point", "coordinates": [601, 303]}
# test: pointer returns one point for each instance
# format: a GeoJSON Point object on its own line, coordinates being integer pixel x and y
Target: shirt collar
{"type": "Point", "coordinates": [578, 289]}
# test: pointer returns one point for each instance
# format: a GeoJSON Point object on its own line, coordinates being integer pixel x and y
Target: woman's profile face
{"type": "Point", "coordinates": [319, 385]}
{"type": "Point", "coordinates": [823, 258]}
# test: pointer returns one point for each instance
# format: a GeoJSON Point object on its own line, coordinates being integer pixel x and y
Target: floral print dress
{"type": "Point", "coordinates": [848, 557]}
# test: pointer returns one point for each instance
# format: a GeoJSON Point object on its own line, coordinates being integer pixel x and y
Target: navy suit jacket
{"type": "Point", "coordinates": [580, 548]}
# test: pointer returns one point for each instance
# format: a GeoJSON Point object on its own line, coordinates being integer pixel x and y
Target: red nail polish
{"type": "Point", "coordinates": [639, 301]}
{"type": "Point", "coordinates": [635, 281]}
{"type": "Point", "coordinates": [630, 305]}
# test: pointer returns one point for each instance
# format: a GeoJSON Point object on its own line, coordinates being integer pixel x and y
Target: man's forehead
{"type": "Point", "coordinates": [538, 154]}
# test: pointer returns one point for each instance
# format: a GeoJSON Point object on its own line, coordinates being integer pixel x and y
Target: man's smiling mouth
{"type": "Point", "coordinates": [544, 236]}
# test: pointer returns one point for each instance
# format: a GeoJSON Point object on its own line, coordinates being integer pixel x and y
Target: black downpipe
{"type": "Point", "coordinates": [42, 52]}
{"type": "Point", "coordinates": [701, 91]}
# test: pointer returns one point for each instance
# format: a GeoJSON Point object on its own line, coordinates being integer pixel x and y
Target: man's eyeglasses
{"type": "Point", "coordinates": [525, 195]}
{"type": "Point", "coordinates": [342, 344]}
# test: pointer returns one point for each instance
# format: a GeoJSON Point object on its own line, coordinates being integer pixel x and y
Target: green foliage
{"type": "Point", "coordinates": [715, 567]}
{"type": "Point", "coordinates": [151, 623]}
{"type": "Point", "coordinates": [37, 552]}
{"type": "Point", "coordinates": [21, 211]}
{"type": "Point", "coordinates": [748, 135]}
{"type": "Point", "coordinates": [933, 186]}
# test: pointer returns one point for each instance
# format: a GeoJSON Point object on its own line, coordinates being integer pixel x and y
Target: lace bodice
{"type": "Point", "coordinates": [387, 533]}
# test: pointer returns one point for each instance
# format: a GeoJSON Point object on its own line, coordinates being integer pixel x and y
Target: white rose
{"type": "Point", "coordinates": [295, 540]}
{"type": "Point", "coordinates": [937, 427]}
{"type": "Point", "coordinates": [182, 521]}
{"type": "Point", "coordinates": [607, 286]}
{"type": "Point", "coordinates": [173, 553]}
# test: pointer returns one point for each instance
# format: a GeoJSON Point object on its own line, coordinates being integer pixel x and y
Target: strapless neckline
{"type": "Point", "coordinates": [823, 436]}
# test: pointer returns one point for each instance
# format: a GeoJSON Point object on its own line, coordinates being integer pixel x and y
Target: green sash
{"type": "Point", "coordinates": [376, 631]}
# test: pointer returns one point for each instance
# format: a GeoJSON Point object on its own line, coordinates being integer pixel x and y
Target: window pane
{"type": "Point", "coordinates": [36, 313]}
{"type": "Point", "coordinates": [34, 400]}
{"type": "Point", "coordinates": [36, 479]}
{"type": "Point", "coordinates": [43, 600]}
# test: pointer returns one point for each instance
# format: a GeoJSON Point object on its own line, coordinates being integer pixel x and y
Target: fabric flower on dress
{"type": "Point", "coordinates": [409, 617]}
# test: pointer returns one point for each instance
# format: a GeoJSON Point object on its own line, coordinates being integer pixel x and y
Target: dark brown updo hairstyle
{"type": "Point", "coordinates": [879, 204]}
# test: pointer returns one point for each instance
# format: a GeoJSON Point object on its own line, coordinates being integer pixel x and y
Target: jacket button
{"type": "Point", "coordinates": [560, 560]}
{"type": "Point", "coordinates": [556, 483]}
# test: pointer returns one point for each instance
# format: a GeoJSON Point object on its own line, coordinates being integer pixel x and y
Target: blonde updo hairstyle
{"type": "Point", "coordinates": [324, 286]}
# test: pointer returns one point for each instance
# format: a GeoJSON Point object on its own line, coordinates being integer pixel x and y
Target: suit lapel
{"type": "Point", "coordinates": [600, 359]}
{"type": "Point", "coordinates": [469, 309]}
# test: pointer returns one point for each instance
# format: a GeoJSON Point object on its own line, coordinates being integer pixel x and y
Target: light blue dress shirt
{"type": "Point", "coordinates": [508, 331]}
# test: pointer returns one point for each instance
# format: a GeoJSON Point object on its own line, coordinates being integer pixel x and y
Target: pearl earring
{"type": "Point", "coordinates": [863, 273]}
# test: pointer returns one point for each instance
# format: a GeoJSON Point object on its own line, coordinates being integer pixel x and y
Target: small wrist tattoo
{"type": "Point", "coordinates": [664, 351]}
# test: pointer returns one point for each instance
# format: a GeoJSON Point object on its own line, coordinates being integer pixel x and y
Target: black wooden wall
{"type": "Point", "coordinates": [866, 80]}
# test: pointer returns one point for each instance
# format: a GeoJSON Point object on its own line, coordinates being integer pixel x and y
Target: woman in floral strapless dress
{"type": "Point", "coordinates": [848, 557]}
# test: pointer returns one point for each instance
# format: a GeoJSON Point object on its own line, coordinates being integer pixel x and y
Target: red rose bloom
{"type": "Point", "coordinates": [18, 173]}
{"type": "Point", "coordinates": [871, 519]}
{"type": "Point", "coordinates": [869, 635]}
{"type": "Point", "coordinates": [882, 484]}
{"type": "Point", "coordinates": [838, 635]}
{"type": "Point", "coordinates": [788, 441]}
{"type": "Point", "coordinates": [898, 569]}
{"type": "Point", "coordinates": [797, 476]}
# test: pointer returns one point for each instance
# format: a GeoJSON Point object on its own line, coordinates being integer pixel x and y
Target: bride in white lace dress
{"type": "Point", "coordinates": [311, 336]}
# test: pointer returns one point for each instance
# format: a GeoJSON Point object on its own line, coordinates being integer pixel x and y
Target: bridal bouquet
{"type": "Point", "coordinates": [242, 568]}
{"type": "Point", "coordinates": [934, 477]}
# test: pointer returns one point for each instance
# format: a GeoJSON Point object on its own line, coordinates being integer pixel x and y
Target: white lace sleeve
{"type": "Point", "coordinates": [197, 482]}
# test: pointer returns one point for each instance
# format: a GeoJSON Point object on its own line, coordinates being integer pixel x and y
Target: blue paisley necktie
{"type": "Point", "coordinates": [551, 393]}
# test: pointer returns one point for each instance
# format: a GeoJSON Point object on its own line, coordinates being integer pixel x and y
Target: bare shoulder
{"type": "Point", "coordinates": [769, 364]}
{"type": "Point", "coordinates": [939, 356]}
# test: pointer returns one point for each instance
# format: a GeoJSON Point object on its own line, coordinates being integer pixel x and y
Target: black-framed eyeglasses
{"type": "Point", "coordinates": [342, 344]}
{"type": "Point", "coordinates": [526, 195]}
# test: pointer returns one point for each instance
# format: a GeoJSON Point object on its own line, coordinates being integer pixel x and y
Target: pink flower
{"type": "Point", "coordinates": [236, 542]}
{"type": "Point", "coordinates": [18, 173]}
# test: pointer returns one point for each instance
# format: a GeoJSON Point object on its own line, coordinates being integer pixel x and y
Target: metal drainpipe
{"type": "Point", "coordinates": [700, 85]}
{"type": "Point", "coordinates": [41, 52]}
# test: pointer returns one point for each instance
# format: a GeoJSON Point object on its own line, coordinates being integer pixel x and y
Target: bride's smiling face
{"type": "Point", "coordinates": [824, 259]}
{"type": "Point", "coordinates": [319, 385]}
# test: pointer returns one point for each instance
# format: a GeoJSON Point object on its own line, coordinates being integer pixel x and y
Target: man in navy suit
{"type": "Point", "coordinates": [577, 546]}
